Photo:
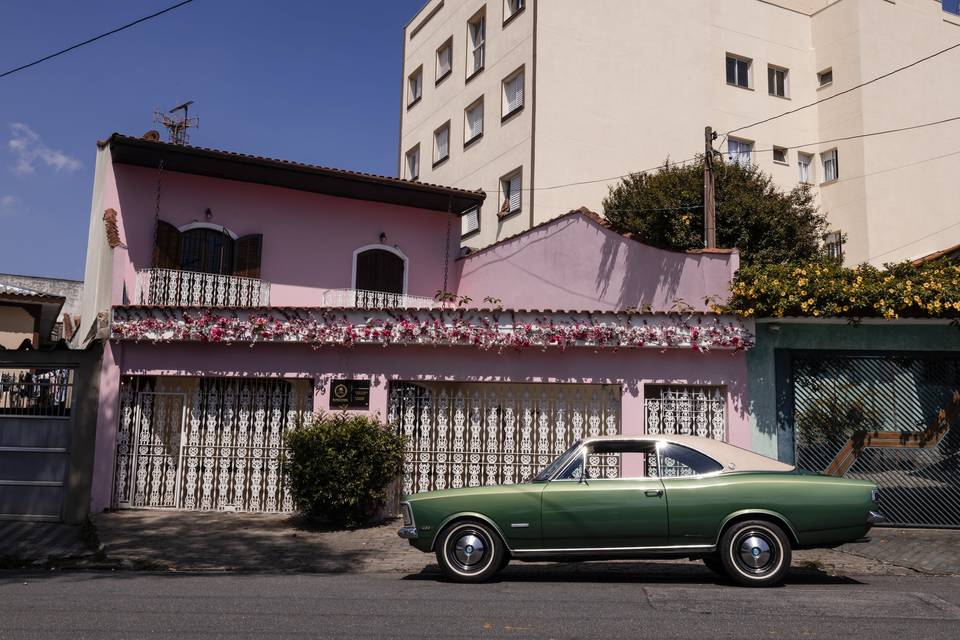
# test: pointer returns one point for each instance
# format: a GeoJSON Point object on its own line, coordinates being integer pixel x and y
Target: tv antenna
{"type": "Point", "coordinates": [177, 122]}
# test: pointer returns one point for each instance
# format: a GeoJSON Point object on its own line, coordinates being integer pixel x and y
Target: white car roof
{"type": "Point", "coordinates": [732, 458]}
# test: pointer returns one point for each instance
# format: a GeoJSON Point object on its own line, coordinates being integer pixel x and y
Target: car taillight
{"type": "Point", "coordinates": [875, 495]}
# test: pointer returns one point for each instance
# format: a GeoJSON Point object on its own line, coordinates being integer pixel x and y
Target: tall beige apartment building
{"type": "Point", "coordinates": [542, 102]}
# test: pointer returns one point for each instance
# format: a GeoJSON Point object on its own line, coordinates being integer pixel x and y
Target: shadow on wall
{"type": "Point", "coordinates": [652, 276]}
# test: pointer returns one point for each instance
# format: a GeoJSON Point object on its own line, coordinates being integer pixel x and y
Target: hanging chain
{"type": "Point", "coordinates": [156, 216]}
{"type": "Point", "coordinates": [446, 255]}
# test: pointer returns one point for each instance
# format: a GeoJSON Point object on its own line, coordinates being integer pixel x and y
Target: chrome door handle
{"type": "Point", "coordinates": [654, 493]}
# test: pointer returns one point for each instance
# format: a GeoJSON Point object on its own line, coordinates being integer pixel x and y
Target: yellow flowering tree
{"type": "Point", "coordinates": [900, 290]}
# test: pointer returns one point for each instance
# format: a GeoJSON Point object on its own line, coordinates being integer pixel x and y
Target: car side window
{"type": "Point", "coordinates": [573, 471]}
{"type": "Point", "coordinates": [677, 461]}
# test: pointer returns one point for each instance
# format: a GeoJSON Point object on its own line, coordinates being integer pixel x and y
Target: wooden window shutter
{"type": "Point", "coordinates": [246, 256]}
{"type": "Point", "coordinates": [166, 252]}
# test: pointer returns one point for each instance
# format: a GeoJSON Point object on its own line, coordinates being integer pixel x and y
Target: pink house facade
{"type": "Point", "coordinates": [238, 295]}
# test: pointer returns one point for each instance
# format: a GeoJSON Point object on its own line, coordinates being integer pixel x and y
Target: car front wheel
{"type": "Point", "coordinates": [470, 552]}
{"type": "Point", "coordinates": [755, 553]}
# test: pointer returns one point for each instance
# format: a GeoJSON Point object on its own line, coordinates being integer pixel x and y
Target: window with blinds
{"type": "Point", "coordinates": [473, 122]}
{"type": "Point", "coordinates": [510, 189]}
{"type": "Point", "coordinates": [513, 93]}
{"type": "Point", "coordinates": [470, 223]}
{"type": "Point", "coordinates": [413, 163]}
{"type": "Point", "coordinates": [477, 38]}
{"type": "Point", "coordinates": [445, 60]}
{"type": "Point", "coordinates": [441, 143]}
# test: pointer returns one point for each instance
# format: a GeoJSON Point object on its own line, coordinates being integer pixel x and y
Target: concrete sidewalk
{"type": "Point", "coordinates": [276, 543]}
{"type": "Point", "coordinates": [189, 541]}
{"type": "Point", "coordinates": [24, 544]}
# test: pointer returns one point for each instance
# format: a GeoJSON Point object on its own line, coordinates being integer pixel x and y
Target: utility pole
{"type": "Point", "coordinates": [709, 194]}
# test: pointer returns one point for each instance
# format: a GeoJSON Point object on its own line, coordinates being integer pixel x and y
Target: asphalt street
{"type": "Point", "coordinates": [522, 604]}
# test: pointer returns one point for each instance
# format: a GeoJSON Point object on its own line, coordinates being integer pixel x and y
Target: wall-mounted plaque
{"type": "Point", "coordinates": [350, 394]}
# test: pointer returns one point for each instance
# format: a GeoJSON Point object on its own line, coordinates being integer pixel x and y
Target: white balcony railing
{"type": "Point", "coordinates": [362, 299]}
{"type": "Point", "coordinates": [169, 287]}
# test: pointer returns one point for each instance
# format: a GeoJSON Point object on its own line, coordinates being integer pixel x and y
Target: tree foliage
{"type": "Point", "coordinates": [340, 465]}
{"type": "Point", "coordinates": [665, 209]}
{"type": "Point", "coordinates": [901, 290]}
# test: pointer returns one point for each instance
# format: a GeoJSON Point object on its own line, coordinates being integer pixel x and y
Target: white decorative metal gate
{"type": "Point", "coordinates": [683, 410]}
{"type": "Point", "coordinates": [471, 434]}
{"type": "Point", "coordinates": [206, 443]}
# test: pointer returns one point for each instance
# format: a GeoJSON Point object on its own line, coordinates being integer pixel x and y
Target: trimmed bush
{"type": "Point", "coordinates": [340, 465]}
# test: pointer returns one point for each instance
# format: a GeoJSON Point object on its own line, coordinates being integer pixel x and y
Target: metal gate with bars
{"type": "Point", "coordinates": [888, 419]}
{"type": "Point", "coordinates": [206, 443]}
{"type": "Point", "coordinates": [472, 434]}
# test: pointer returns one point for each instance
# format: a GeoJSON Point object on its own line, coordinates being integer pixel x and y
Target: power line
{"type": "Point", "coordinates": [916, 240]}
{"type": "Point", "coordinates": [863, 135]}
{"type": "Point", "coordinates": [620, 177]}
{"type": "Point", "coordinates": [94, 39]}
{"type": "Point", "coordinates": [846, 91]}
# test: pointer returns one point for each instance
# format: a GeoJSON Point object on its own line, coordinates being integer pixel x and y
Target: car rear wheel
{"type": "Point", "coordinates": [755, 553]}
{"type": "Point", "coordinates": [470, 551]}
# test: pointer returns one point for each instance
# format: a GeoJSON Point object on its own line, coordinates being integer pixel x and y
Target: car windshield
{"type": "Point", "coordinates": [552, 468]}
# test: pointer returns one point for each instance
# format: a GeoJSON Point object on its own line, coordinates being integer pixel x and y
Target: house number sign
{"type": "Point", "coordinates": [350, 394]}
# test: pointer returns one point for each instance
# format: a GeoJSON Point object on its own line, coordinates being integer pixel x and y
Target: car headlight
{"type": "Point", "coordinates": [407, 514]}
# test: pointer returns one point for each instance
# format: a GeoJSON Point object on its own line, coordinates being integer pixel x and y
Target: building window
{"type": "Point", "coordinates": [413, 163]}
{"type": "Point", "coordinates": [688, 410]}
{"type": "Point", "coordinates": [444, 60]}
{"type": "Point", "coordinates": [512, 8]}
{"type": "Point", "coordinates": [473, 122]}
{"type": "Point", "coordinates": [805, 165]}
{"type": "Point", "coordinates": [825, 77]}
{"type": "Point", "coordinates": [738, 71]}
{"type": "Point", "coordinates": [513, 93]}
{"type": "Point", "coordinates": [206, 248]}
{"type": "Point", "coordinates": [470, 222]}
{"type": "Point", "coordinates": [831, 166]}
{"type": "Point", "coordinates": [833, 244]}
{"type": "Point", "coordinates": [780, 155]}
{"type": "Point", "coordinates": [415, 87]}
{"type": "Point", "coordinates": [952, 6]}
{"type": "Point", "coordinates": [441, 144]}
{"type": "Point", "coordinates": [510, 188]}
{"type": "Point", "coordinates": [740, 152]}
{"type": "Point", "coordinates": [379, 270]}
{"type": "Point", "coordinates": [777, 81]}
{"type": "Point", "coordinates": [476, 42]}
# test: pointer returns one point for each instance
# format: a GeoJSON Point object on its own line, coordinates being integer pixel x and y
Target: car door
{"type": "Point", "coordinates": [595, 512]}
{"type": "Point", "coordinates": [700, 496]}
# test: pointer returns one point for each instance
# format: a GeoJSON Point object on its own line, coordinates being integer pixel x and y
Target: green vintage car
{"type": "Point", "coordinates": [618, 497]}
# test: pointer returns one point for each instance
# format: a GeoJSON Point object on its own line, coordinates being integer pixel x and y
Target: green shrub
{"type": "Point", "coordinates": [340, 466]}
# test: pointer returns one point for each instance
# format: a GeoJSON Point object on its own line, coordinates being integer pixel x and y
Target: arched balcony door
{"type": "Point", "coordinates": [380, 270]}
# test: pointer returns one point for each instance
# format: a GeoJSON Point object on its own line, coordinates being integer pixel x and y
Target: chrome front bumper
{"type": "Point", "coordinates": [408, 533]}
{"type": "Point", "coordinates": [875, 517]}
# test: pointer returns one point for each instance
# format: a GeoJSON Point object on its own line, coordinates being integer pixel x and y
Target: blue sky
{"type": "Point", "coordinates": [312, 81]}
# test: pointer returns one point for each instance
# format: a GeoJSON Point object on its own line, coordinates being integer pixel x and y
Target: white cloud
{"type": "Point", "coordinates": [29, 150]}
{"type": "Point", "coordinates": [7, 203]}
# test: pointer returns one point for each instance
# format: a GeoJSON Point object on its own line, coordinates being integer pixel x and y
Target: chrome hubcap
{"type": "Point", "coordinates": [469, 550]}
{"type": "Point", "coordinates": [755, 552]}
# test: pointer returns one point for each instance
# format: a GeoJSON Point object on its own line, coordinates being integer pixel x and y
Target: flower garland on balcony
{"type": "Point", "coordinates": [484, 332]}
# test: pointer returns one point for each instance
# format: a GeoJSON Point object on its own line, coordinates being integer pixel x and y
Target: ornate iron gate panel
{"type": "Point", "coordinates": [206, 443]}
{"type": "Point", "coordinates": [689, 410]}
{"type": "Point", "coordinates": [472, 434]}
{"type": "Point", "coordinates": [888, 419]}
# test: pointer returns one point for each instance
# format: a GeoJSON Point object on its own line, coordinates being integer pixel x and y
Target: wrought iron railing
{"type": "Point", "coordinates": [363, 299]}
{"type": "Point", "coordinates": [170, 287]}
{"type": "Point", "coordinates": [46, 393]}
